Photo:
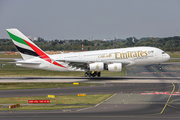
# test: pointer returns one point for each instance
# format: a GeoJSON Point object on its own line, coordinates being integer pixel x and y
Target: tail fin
{"type": "Point", "coordinates": [25, 46]}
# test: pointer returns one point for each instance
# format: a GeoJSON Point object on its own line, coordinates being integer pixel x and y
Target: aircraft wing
{"type": "Point", "coordinates": [76, 63]}
{"type": "Point", "coordinates": [83, 63]}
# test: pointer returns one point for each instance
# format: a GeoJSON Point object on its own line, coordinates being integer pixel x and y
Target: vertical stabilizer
{"type": "Point", "coordinates": [25, 46]}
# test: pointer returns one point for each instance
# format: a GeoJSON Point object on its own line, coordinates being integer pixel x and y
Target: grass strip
{"type": "Point", "coordinates": [173, 60]}
{"type": "Point", "coordinates": [61, 99]}
{"type": "Point", "coordinates": [45, 107]}
{"type": "Point", "coordinates": [174, 54]}
{"type": "Point", "coordinates": [33, 72]}
{"type": "Point", "coordinates": [10, 56]}
{"type": "Point", "coordinates": [13, 86]}
{"type": "Point", "coordinates": [64, 99]}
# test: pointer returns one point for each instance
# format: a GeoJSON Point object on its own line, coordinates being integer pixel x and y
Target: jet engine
{"type": "Point", "coordinates": [115, 67]}
{"type": "Point", "coordinates": [97, 66]}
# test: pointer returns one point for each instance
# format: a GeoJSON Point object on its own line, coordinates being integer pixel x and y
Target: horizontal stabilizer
{"type": "Point", "coordinates": [32, 63]}
{"type": "Point", "coordinates": [74, 61]}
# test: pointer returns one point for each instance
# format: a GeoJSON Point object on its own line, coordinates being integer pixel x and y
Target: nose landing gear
{"type": "Point", "coordinates": [92, 73]}
{"type": "Point", "coordinates": [159, 68]}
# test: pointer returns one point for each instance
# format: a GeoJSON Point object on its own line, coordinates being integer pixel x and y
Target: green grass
{"type": "Point", "coordinates": [33, 72]}
{"type": "Point", "coordinates": [173, 60]}
{"type": "Point", "coordinates": [10, 56]}
{"type": "Point", "coordinates": [53, 107]}
{"type": "Point", "coordinates": [174, 54]}
{"type": "Point", "coordinates": [64, 99]}
{"type": "Point", "coordinates": [13, 86]}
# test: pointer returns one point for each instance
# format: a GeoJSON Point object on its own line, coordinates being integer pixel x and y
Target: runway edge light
{"type": "Point", "coordinates": [51, 96]}
{"type": "Point", "coordinates": [81, 95]}
{"type": "Point", "coordinates": [75, 83]}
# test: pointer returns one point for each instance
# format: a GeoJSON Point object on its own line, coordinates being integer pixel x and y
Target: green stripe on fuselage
{"type": "Point", "coordinates": [17, 39]}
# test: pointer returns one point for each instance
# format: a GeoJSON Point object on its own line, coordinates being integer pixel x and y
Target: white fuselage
{"type": "Point", "coordinates": [132, 56]}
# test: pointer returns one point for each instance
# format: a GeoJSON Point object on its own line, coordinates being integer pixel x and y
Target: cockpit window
{"type": "Point", "coordinates": [163, 52]}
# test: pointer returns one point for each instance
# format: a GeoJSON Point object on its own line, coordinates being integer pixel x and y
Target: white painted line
{"type": "Point", "coordinates": [85, 108]}
{"type": "Point", "coordinates": [106, 100]}
{"type": "Point", "coordinates": [96, 104]}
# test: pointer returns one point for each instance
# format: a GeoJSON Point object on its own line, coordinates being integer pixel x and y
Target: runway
{"type": "Point", "coordinates": [95, 89]}
{"type": "Point", "coordinates": [126, 103]}
{"type": "Point", "coordinates": [135, 74]}
{"type": "Point", "coordinates": [123, 79]}
{"type": "Point", "coordinates": [168, 70]}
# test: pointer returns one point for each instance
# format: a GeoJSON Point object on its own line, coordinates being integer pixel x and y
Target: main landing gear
{"type": "Point", "coordinates": [92, 73]}
{"type": "Point", "coordinates": [159, 68]}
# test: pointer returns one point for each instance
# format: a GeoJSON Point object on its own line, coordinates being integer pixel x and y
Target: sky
{"type": "Point", "coordinates": [91, 19]}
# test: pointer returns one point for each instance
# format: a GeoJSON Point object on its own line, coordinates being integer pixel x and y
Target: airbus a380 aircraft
{"type": "Point", "coordinates": [92, 62]}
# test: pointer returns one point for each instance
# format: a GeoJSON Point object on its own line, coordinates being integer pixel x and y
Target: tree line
{"type": "Point", "coordinates": [166, 44]}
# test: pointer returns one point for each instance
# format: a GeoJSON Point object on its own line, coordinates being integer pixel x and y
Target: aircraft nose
{"type": "Point", "coordinates": [168, 57]}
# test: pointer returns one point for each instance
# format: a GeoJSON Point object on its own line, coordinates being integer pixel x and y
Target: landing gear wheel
{"type": "Point", "coordinates": [89, 74]}
{"type": "Point", "coordinates": [160, 68]}
{"type": "Point", "coordinates": [99, 74]}
{"type": "Point", "coordinates": [94, 74]}
{"type": "Point", "coordinates": [85, 74]}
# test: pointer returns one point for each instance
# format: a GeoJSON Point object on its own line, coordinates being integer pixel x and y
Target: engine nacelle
{"type": "Point", "coordinates": [115, 67]}
{"type": "Point", "coordinates": [97, 66]}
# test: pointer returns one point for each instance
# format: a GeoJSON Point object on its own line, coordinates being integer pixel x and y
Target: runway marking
{"type": "Point", "coordinates": [173, 106]}
{"type": "Point", "coordinates": [106, 99]}
{"type": "Point", "coordinates": [168, 100]}
{"type": "Point", "coordinates": [174, 100]}
{"type": "Point", "coordinates": [167, 103]}
{"type": "Point", "coordinates": [149, 88]}
{"type": "Point", "coordinates": [158, 72]}
{"type": "Point", "coordinates": [96, 104]}
{"type": "Point", "coordinates": [56, 116]}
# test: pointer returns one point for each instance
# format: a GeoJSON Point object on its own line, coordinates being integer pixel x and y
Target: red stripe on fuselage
{"type": "Point", "coordinates": [55, 63]}
{"type": "Point", "coordinates": [42, 54]}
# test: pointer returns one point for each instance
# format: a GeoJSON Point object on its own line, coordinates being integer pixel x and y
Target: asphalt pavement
{"type": "Point", "coordinates": [168, 70]}
{"type": "Point", "coordinates": [128, 102]}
